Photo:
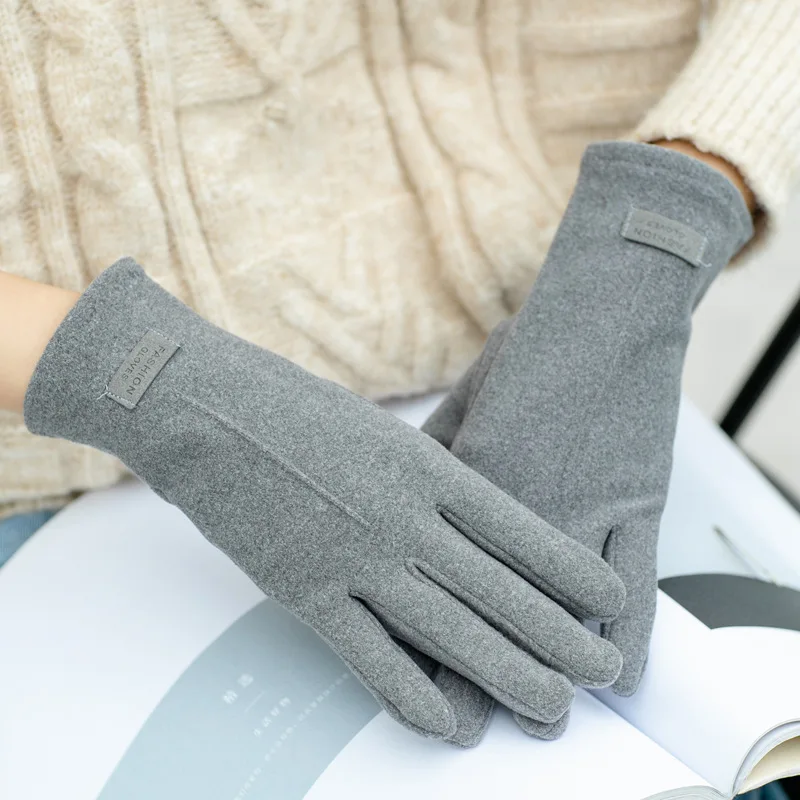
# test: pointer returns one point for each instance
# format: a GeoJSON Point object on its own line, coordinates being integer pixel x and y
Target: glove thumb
{"type": "Point", "coordinates": [445, 422]}
{"type": "Point", "coordinates": [632, 555]}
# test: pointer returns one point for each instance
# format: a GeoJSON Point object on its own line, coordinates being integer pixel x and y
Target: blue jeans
{"type": "Point", "coordinates": [15, 531]}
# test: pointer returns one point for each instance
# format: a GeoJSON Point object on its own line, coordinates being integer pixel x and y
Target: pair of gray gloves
{"type": "Point", "coordinates": [419, 558]}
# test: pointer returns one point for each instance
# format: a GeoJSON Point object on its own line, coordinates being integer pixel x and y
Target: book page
{"type": "Point", "coordinates": [724, 526]}
{"type": "Point", "coordinates": [781, 762]}
{"type": "Point", "coordinates": [599, 756]}
{"type": "Point", "coordinates": [707, 703]}
{"type": "Point", "coordinates": [139, 662]}
{"type": "Point", "coordinates": [723, 515]}
{"type": "Point", "coordinates": [773, 655]}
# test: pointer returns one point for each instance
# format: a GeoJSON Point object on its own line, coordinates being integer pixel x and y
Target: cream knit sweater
{"type": "Point", "coordinates": [365, 187]}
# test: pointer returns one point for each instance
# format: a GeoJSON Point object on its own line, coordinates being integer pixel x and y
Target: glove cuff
{"type": "Point", "coordinates": [90, 347]}
{"type": "Point", "coordinates": [676, 203]}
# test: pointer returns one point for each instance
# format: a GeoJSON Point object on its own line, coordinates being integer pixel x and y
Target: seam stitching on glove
{"type": "Point", "coordinates": [456, 660]}
{"type": "Point", "coordinates": [291, 469]}
{"type": "Point", "coordinates": [537, 581]}
{"type": "Point", "coordinates": [534, 649]}
{"type": "Point", "coordinates": [601, 392]}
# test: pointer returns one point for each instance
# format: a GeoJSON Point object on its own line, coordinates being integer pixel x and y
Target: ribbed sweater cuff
{"type": "Point", "coordinates": [739, 98]}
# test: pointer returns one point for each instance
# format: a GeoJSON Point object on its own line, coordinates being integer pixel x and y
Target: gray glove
{"type": "Point", "coordinates": [572, 407]}
{"type": "Point", "coordinates": [362, 526]}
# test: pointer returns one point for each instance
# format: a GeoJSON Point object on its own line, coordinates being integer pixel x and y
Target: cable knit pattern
{"type": "Point", "coordinates": [365, 186]}
{"type": "Point", "coordinates": [753, 123]}
{"type": "Point", "coordinates": [92, 93]}
{"type": "Point", "coordinates": [33, 138]}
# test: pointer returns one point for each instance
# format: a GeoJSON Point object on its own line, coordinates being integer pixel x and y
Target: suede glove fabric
{"type": "Point", "coordinates": [365, 528]}
{"type": "Point", "coordinates": [573, 405]}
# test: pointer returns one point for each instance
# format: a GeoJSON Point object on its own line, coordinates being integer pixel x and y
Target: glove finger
{"type": "Point", "coordinates": [428, 617]}
{"type": "Point", "coordinates": [563, 569]}
{"type": "Point", "coordinates": [424, 662]}
{"type": "Point", "coordinates": [445, 422]}
{"type": "Point", "coordinates": [632, 554]}
{"type": "Point", "coordinates": [543, 730]}
{"type": "Point", "coordinates": [472, 706]}
{"type": "Point", "coordinates": [527, 617]}
{"type": "Point", "coordinates": [396, 682]}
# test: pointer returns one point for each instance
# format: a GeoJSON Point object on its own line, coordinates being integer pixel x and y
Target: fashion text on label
{"type": "Point", "coordinates": [140, 368]}
{"type": "Point", "coordinates": [666, 234]}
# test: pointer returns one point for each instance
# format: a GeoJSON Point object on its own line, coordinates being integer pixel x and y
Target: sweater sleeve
{"type": "Point", "coordinates": [739, 97]}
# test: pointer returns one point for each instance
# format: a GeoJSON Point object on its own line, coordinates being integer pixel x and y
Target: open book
{"type": "Point", "coordinates": [137, 661]}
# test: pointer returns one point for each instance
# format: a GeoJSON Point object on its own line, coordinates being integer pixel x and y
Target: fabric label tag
{"type": "Point", "coordinates": [139, 369]}
{"type": "Point", "coordinates": [647, 227]}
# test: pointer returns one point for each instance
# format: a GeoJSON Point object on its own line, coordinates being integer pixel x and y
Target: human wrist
{"type": "Point", "coordinates": [716, 162]}
{"type": "Point", "coordinates": [30, 312]}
